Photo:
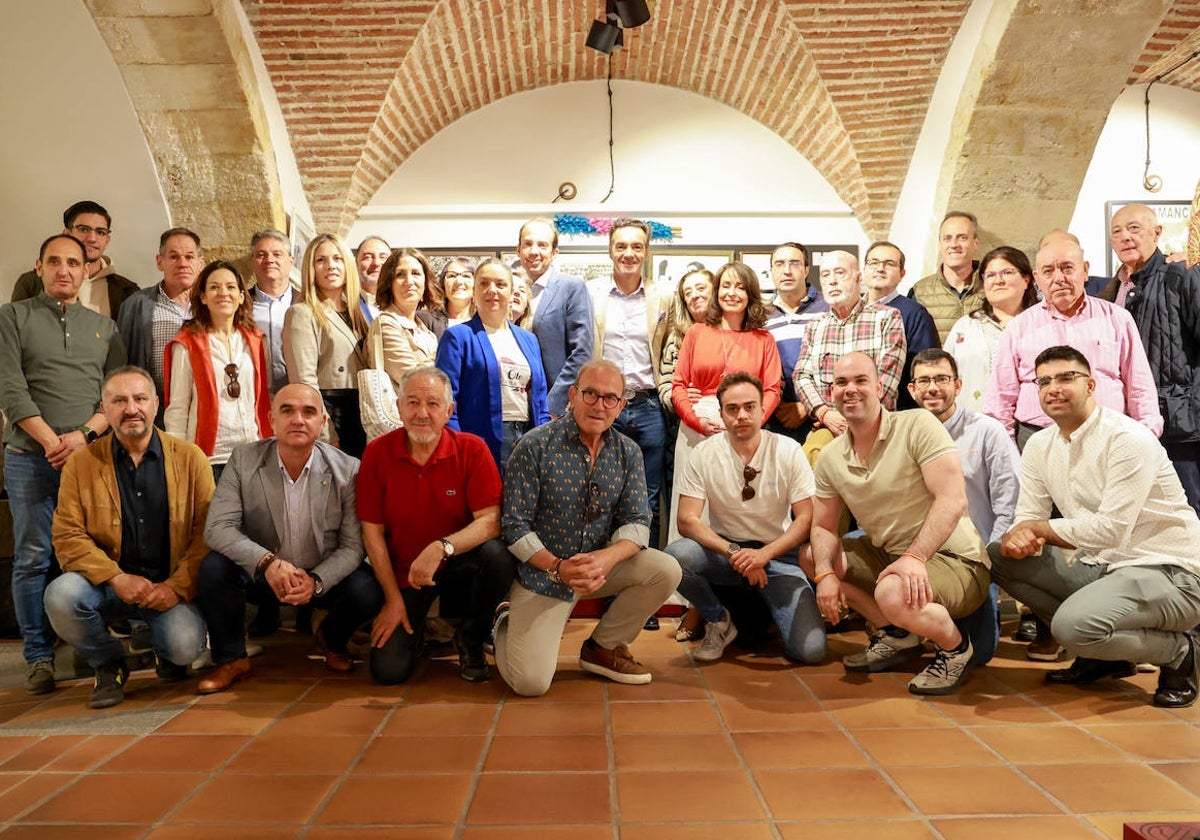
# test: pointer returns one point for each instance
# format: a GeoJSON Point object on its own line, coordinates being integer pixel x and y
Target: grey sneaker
{"type": "Point", "coordinates": [945, 673]}
{"type": "Point", "coordinates": [617, 664]}
{"type": "Point", "coordinates": [884, 652]}
{"type": "Point", "coordinates": [39, 677]}
{"type": "Point", "coordinates": [717, 637]}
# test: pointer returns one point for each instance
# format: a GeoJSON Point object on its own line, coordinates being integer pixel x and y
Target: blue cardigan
{"type": "Point", "coordinates": [465, 354]}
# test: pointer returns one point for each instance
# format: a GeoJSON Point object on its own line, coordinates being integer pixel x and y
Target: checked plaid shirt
{"type": "Point", "coordinates": [875, 330]}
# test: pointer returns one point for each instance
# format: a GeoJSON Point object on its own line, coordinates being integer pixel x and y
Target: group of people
{"type": "Point", "coordinates": [537, 417]}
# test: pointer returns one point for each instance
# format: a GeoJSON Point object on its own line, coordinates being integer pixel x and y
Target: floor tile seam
{"type": "Point", "coordinates": [15, 818]}
{"type": "Point", "coordinates": [341, 778]}
{"type": "Point", "coordinates": [1131, 755]}
{"type": "Point", "coordinates": [610, 749]}
{"type": "Point", "coordinates": [460, 825]}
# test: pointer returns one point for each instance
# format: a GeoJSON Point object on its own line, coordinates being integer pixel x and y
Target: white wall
{"type": "Point", "coordinates": [1115, 173]}
{"type": "Point", "coordinates": [681, 159]}
{"type": "Point", "coordinates": [70, 133]}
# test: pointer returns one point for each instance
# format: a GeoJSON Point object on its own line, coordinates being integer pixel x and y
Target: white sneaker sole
{"type": "Point", "coordinates": [702, 654]}
{"type": "Point", "coordinates": [615, 676]}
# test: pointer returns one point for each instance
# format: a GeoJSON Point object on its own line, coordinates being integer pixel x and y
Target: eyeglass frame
{"type": "Point", "coordinates": [942, 380]}
{"type": "Point", "coordinates": [233, 387]}
{"type": "Point", "coordinates": [1067, 377]}
{"type": "Point", "coordinates": [591, 396]}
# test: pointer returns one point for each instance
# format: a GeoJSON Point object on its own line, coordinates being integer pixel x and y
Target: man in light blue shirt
{"type": "Point", "coordinates": [990, 463]}
{"type": "Point", "coordinates": [271, 263]}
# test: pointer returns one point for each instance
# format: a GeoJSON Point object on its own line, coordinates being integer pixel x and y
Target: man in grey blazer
{"type": "Point", "coordinates": [282, 528]}
{"type": "Point", "coordinates": [561, 311]}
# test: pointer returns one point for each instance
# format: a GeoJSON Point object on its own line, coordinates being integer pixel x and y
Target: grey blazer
{"type": "Point", "coordinates": [246, 516]}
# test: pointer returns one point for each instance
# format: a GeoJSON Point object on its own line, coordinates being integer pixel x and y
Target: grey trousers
{"type": "Point", "coordinates": [1135, 613]}
{"type": "Point", "coordinates": [527, 643]}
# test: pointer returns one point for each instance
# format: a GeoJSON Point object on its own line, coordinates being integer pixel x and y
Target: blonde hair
{"type": "Point", "coordinates": [353, 292]}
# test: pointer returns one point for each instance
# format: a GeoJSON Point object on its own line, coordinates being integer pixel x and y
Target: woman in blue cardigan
{"type": "Point", "coordinates": [495, 368]}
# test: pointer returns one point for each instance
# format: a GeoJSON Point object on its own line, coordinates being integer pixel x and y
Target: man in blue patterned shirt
{"type": "Point", "coordinates": [575, 516]}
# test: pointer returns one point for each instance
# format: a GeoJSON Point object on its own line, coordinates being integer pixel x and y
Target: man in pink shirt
{"type": "Point", "coordinates": [1103, 332]}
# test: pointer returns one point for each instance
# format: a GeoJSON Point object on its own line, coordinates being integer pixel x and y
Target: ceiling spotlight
{"type": "Point", "coordinates": [633, 13]}
{"type": "Point", "coordinates": [603, 36]}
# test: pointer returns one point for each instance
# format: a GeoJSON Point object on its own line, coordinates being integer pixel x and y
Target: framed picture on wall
{"type": "Point", "coordinates": [438, 257]}
{"type": "Point", "coordinates": [1172, 215]}
{"type": "Point", "coordinates": [760, 261]}
{"type": "Point", "coordinates": [583, 262]}
{"type": "Point", "coordinates": [300, 233]}
{"type": "Point", "coordinates": [668, 266]}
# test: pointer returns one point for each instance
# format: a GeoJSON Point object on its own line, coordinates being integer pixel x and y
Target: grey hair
{"type": "Point", "coordinates": [433, 373]}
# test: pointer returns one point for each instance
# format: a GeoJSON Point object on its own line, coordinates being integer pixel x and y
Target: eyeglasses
{"type": "Point", "coordinates": [748, 475]}
{"type": "Point", "coordinates": [1068, 270]}
{"type": "Point", "coordinates": [233, 388]}
{"type": "Point", "coordinates": [1064, 378]}
{"type": "Point", "coordinates": [86, 230]}
{"type": "Point", "coordinates": [792, 264]}
{"type": "Point", "coordinates": [1004, 274]}
{"type": "Point", "coordinates": [591, 497]}
{"type": "Point", "coordinates": [590, 396]}
{"type": "Point", "coordinates": [890, 265]}
{"type": "Point", "coordinates": [941, 380]}
{"type": "Point", "coordinates": [458, 275]}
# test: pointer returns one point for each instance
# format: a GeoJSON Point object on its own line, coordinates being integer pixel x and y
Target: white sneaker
{"type": "Point", "coordinates": [717, 637]}
{"type": "Point", "coordinates": [944, 674]}
{"type": "Point", "coordinates": [884, 652]}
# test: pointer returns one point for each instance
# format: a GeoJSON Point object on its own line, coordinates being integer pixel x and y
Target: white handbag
{"type": "Point", "coordinates": [376, 396]}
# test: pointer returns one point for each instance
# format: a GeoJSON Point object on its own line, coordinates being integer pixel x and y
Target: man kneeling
{"type": "Point", "coordinates": [922, 563]}
{"type": "Point", "coordinates": [575, 515]}
{"type": "Point", "coordinates": [753, 482]}
{"type": "Point", "coordinates": [129, 534]}
{"type": "Point", "coordinates": [282, 527]}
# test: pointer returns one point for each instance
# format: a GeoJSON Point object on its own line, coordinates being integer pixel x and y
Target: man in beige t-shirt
{"type": "Point", "coordinates": [922, 563]}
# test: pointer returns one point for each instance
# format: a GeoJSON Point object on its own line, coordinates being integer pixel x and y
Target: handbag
{"type": "Point", "coordinates": [376, 395]}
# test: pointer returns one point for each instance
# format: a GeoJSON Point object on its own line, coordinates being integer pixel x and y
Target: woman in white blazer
{"type": "Point", "coordinates": [323, 338]}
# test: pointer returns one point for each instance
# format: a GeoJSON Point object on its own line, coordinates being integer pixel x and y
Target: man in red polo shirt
{"type": "Point", "coordinates": [429, 501]}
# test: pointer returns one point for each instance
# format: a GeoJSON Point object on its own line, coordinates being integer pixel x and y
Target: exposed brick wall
{"type": "Point", "coordinates": [1177, 36]}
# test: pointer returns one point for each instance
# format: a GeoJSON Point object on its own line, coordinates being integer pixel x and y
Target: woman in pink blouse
{"type": "Point", "coordinates": [731, 338]}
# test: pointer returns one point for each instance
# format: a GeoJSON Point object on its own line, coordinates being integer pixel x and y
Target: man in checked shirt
{"type": "Point", "coordinates": [575, 516]}
{"type": "Point", "coordinates": [850, 325]}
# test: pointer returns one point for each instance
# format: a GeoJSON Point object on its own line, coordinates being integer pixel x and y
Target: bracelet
{"type": "Point", "coordinates": [552, 572]}
{"type": "Point", "coordinates": [264, 564]}
{"type": "Point", "coordinates": [818, 578]}
{"type": "Point", "coordinates": [915, 556]}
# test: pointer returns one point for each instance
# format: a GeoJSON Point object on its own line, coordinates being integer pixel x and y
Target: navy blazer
{"type": "Point", "coordinates": [465, 354]}
{"type": "Point", "coordinates": [565, 330]}
{"type": "Point", "coordinates": [920, 333]}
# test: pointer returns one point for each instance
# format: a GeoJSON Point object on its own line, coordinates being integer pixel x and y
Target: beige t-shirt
{"type": "Point", "coordinates": [887, 495]}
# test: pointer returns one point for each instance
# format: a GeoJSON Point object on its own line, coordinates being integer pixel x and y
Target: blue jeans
{"type": "Point", "coordinates": [32, 495]}
{"type": "Point", "coordinates": [642, 421]}
{"type": "Point", "coordinates": [514, 430]}
{"type": "Point", "coordinates": [80, 613]}
{"type": "Point", "coordinates": [788, 594]}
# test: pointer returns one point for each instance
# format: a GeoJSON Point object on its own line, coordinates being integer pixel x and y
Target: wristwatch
{"type": "Point", "coordinates": [732, 549]}
{"type": "Point", "coordinates": [318, 585]}
{"type": "Point", "coordinates": [447, 547]}
{"type": "Point", "coordinates": [88, 434]}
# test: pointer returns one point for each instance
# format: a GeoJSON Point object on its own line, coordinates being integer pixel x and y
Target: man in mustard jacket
{"type": "Point", "coordinates": [129, 535]}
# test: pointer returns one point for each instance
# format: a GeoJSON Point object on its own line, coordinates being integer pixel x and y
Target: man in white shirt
{"type": "Point", "coordinates": [758, 488]}
{"type": "Point", "coordinates": [1125, 585]}
{"type": "Point", "coordinates": [273, 292]}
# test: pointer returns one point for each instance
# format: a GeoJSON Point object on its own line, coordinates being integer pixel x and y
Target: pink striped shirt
{"type": "Point", "coordinates": [1106, 336]}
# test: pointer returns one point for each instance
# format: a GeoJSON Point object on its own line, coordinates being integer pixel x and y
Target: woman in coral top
{"type": "Point", "coordinates": [215, 369]}
{"type": "Point", "coordinates": [731, 338]}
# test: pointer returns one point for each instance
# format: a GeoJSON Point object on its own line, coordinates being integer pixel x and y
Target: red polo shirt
{"type": "Point", "coordinates": [417, 503]}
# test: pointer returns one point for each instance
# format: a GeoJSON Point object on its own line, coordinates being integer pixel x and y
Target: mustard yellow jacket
{"type": "Point", "coordinates": [87, 522]}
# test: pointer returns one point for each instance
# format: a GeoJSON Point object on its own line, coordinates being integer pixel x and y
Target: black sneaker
{"type": "Point", "coordinates": [168, 672]}
{"type": "Point", "coordinates": [110, 684]}
{"type": "Point", "coordinates": [472, 664]}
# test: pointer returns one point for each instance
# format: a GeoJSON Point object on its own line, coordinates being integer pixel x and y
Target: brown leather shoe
{"type": "Point", "coordinates": [340, 663]}
{"type": "Point", "coordinates": [224, 676]}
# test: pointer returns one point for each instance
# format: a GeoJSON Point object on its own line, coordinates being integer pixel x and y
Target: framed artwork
{"type": "Point", "coordinates": [438, 257]}
{"type": "Point", "coordinates": [1172, 215]}
{"type": "Point", "coordinates": [760, 261]}
{"type": "Point", "coordinates": [583, 262]}
{"type": "Point", "coordinates": [300, 233]}
{"type": "Point", "coordinates": [669, 265]}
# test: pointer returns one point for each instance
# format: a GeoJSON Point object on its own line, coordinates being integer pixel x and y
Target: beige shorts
{"type": "Point", "coordinates": [958, 585]}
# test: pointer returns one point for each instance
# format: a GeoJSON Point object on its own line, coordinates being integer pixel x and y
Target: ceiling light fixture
{"type": "Point", "coordinates": [606, 34]}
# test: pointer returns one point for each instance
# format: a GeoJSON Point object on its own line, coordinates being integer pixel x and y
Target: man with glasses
{"type": "Point", "coordinates": [795, 304]}
{"type": "Point", "coordinates": [103, 290]}
{"type": "Point", "coordinates": [989, 463]}
{"type": "Point", "coordinates": [561, 311]}
{"type": "Point", "coordinates": [758, 489]}
{"type": "Point", "coordinates": [851, 325]}
{"type": "Point", "coordinates": [921, 563]}
{"type": "Point", "coordinates": [884, 269]}
{"type": "Point", "coordinates": [273, 294]}
{"type": "Point", "coordinates": [1104, 333]}
{"type": "Point", "coordinates": [1104, 541]}
{"type": "Point", "coordinates": [575, 516]}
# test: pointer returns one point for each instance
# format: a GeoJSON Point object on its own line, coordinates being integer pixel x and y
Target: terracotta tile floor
{"type": "Point", "coordinates": [746, 748]}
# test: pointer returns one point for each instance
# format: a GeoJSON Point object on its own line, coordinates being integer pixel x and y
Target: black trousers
{"type": "Point", "coordinates": [470, 585]}
{"type": "Point", "coordinates": [224, 588]}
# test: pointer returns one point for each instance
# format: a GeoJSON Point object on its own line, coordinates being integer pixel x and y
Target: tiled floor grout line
{"type": "Point", "coordinates": [610, 749]}
{"type": "Point", "coordinates": [477, 775]}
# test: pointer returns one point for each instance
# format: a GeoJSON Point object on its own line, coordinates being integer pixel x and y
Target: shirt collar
{"type": "Point", "coordinates": [446, 447]}
{"type": "Point", "coordinates": [120, 453]}
{"type": "Point", "coordinates": [1084, 427]}
{"type": "Point", "coordinates": [303, 472]}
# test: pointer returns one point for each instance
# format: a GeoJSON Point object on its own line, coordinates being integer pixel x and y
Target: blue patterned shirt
{"type": "Point", "coordinates": [546, 498]}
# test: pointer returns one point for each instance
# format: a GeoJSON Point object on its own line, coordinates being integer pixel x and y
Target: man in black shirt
{"type": "Point", "coordinates": [129, 534]}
